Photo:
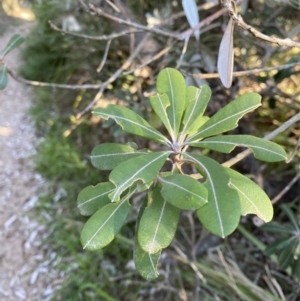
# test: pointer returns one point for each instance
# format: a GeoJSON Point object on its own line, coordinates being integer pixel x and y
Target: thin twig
{"type": "Point", "coordinates": [104, 56]}
{"type": "Point", "coordinates": [286, 189]}
{"type": "Point", "coordinates": [186, 41]}
{"type": "Point", "coordinates": [241, 73]}
{"type": "Point", "coordinates": [116, 74]}
{"type": "Point", "coordinates": [52, 85]}
{"type": "Point", "coordinates": [97, 38]}
{"type": "Point", "coordinates": [240, 22]}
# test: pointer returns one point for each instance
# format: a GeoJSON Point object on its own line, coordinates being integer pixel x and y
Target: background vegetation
{"type": "Point", "coordinates": [197, 266]}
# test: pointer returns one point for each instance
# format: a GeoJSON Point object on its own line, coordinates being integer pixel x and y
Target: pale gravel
{"type": "Point", "coordinates": [25, 273]}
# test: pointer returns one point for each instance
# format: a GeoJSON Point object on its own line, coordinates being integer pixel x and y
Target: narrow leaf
{"type": "Point", "coordinates": [159, 103]}
{"type": "Point", "coordinates": [107, 156]}
{"type": "Point", "coordinates": [158, 224]}
{"type": "Point", "coordinates": [221, 214]}
{"type": "Point", "coordinates": [226, 56]}
{"type": "Point", "coordinates": [92, 198]}
{"type": "Point", "coordinates": [130, 122]}
{"type": "Point", "coordinates": [278, 245]}
{"type": "Point", "coordinates": [197, 100]}
{"type": "Point", "coordinates": [289, 213]}
{"type": "Point", "coordinates": [227, 118]}
{"type": "Point", "coordinates": [15, 41]}
{"type": "Point", "coordinates": [3, 77]}
{"type": "Point", "coordinates": [278, 228]}
{"type": "Point", "coordinates": [172, 83]}
{"type": "Point", "coordinates": [183, 192]}
{"type": "Point", "coordinates": [191, 12]}
{"type": "Point", "coordinates": [286, 255]}
{"type": "Point", "coordinates": [253, 199]}
{"type": "Point", "coordinates": [143, 168]}
{"type": "Point", "coordinates": [103, 226]}
{"type": "Point", "coordinates": [262, 149]}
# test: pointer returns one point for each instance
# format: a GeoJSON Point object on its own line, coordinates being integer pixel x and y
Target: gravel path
{"type": "Point", "coordinates": [23, 270]}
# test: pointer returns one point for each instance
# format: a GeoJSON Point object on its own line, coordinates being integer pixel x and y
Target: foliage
{"type": "Point", "coordinates": [180, 109]}
{"type": "Point", "coordinates": [288, 244]}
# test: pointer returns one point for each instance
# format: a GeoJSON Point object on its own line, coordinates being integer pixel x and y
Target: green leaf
{"type": "Point", "coordinates": [92, 198]}
{"type": "Point", "coordinates": [158, 224]}
{"type": "Point", "coordinates": [15, 41]}
{"type": "Point", "coordinates": [183, 192]}
{"type": "Point", "coordinates": [226, 119]}
{"type": "Point", "coordinates": [103, 226]}
{"type": "Point", "coordinates": [286, 255]}
{"type": "Point", "coordinates": [107, 156]}
{"type": "Point", "coordinates": [278, 228]}
{"type": "Point", "coordinates": [197, 100]}
{"type": "Point", "coordinates": [221, 214]}
{"type": "Point", "coordinates": [172, 83]}
{"type": "Point", "coordinates": [289, 213]}
{"type": "Point", "coordinates": [3, 77]}
{"type": "Point", "coordinates": [253, 199]}
{"type": "Point", "coordinates": [159, 103]}
{"type": "Point", "coordinates": [145, 263]}
{"type": "Point", "coordinates": [144, 168]}
{"type": "Point", "coordinates": [278, 245]}
{"type": "Point", "coordinates": [130, 122]}
{"type": "Point", "coordinates": [262, 149]}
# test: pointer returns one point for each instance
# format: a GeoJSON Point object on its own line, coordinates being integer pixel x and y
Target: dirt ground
{"type": "Point", "coordinates": [24, 272]}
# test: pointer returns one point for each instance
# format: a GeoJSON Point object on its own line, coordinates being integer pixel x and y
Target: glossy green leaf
{"type": "Point", "coordinates": [183, 192]}
{"type": "Point", "coordinates": [172, 83]}
{"type": "Point", "coordinates": [103, 226]}
{"type": "Point", "coordinates": [227, 118]}
{"type": "Point", "coordinates": [262, 149]}
{"type": "Point", "coordinates": [107, 156]}
{"type": "Point", "coordinates": [92, 198]}
{"type": "Point", "coordinates": [253, 199]}
{"type": "Point", "coordinates": [143, 168]}
{"type": "Point", "coordinates": [158, 224]}
{"type": "Point", "coordinates": [3, 77]}
{"type": "Point", "coordinates": [130, 122]}
{"type": "Point", "coordinates": [160, 103]}
{"type": "Point", "coordinates": [15, 41]}
{"type": "Point", "coordinates": [221, 214]}
{"type": "Point", "coordinates": [197, 100]}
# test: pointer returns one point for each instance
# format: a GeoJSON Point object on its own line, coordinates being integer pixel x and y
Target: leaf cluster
{"type": "Point", "coordinates": [219, 198]}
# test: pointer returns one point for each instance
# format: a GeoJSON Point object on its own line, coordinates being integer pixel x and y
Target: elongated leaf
{"type": "Point", "coordinates": [160, 103]}
{"type": "Point", "coordinates": [221, 214]}
{"type": "Point", "coordinates": [184, 192]}
{"type": "Point", "coordinates": [286, 255]}
{"type": "Point", "coordinates": [226, 56]}
{"type": "Point", "coordinates": [92, 198]}
{"type": "Point", "coordinates": [143, 168]}
{"type": "Point", "coordinates": [15, 41]}
{"type": "Point", "coordinates": [262, 149]}
{"type": "Point", "coordinates": [103, 226]}
{"type": "Point", "coordinates": [278, 228]}
{"type": "Point", "coordinates": [252, 198]}
{"type": "Point", "coordinates": [226, 119]}
{"type": "Point", "coordinates": [158, 224]}
{"type": "Point", "coordinates": [3, 77]}
{"type": "Point", "coordinates": [172, 83]}
{"type": "Point", "coordinates": [289, 213]}
{"type": "Point", "coordinates": [277, 245]}
{"type": "Point", "coordinates": [145, 263]}
{"type": "Point", "coordinates": [130, 122]}
{"type": "Point", "coordinates": [191, 12]}
{"type": "Point", "coordinates": [197, 100]}
{"type": "Point", "coordinates": [107, 156]}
